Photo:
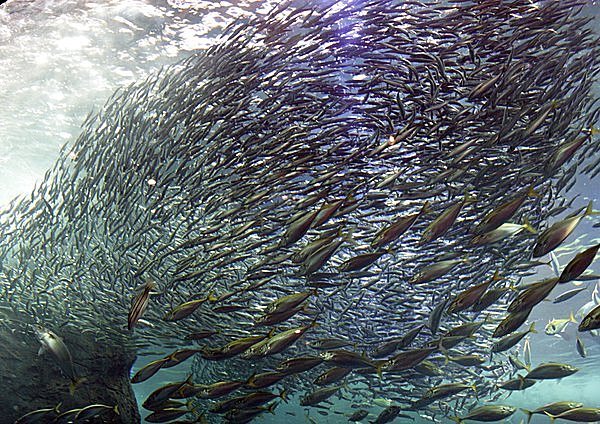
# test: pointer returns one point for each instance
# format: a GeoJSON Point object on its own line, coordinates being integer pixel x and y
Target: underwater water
{"type": "Point", "coordinates": [63, 60]}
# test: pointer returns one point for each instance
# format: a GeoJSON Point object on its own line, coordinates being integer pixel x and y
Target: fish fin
{"type": "Point", "coordinates": [528, 413]}
{"type": "Point", "coordinates": [572, 317]}
{"type": "Point", "coordinates": [41, 350]}
{"type": "Point", "coordinates": [457, 420]}
{"type": "Point", "coordinates": [527, 226]}
{"type": "Point", "coordinates": [497, 276]}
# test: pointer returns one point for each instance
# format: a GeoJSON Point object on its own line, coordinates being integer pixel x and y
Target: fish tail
{"type": "Point", "coordinates": [116, 409]}
{"type": "Point", "coordinates": [474, 387]}
{"type": "Point", "coordinates": [284, 395]}
{"type": "Point", "coordinates": [74, 383]}
{"type": "Point", "coordinates": [457, 420]}
{"type": "Point", "coordinates": [271, 407]}
{"type": "Point", "coordinates": [497, 276]}
{"type": "Point", "coordinates": [528, 413]}
{"type": "Point", "coordinates": [572, 317]}
{"type": "Point", "coordinates": [532, 328]}
{"type": "Point", "coordinates": [379, 369]}
{"type": "Point", "coordinates": [590, 209]}
{"type": "Point", "coordinates": [531, 191]}
{"type": "Point", "coordinates": [425, 208]}
{"type": "Point", "coordinates": [528, 226]}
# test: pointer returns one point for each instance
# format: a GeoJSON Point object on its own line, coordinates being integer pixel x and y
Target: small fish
{"type": "Point", "coordinates": [139, 304]}
{"type": "Point", "coordinates": [581, 348]}
{"type": "Point", "coordinates": [557, 326]}
{"type": "Point", "coordinates": [527, 352]}
{"type": "Point", "coordinates": [568, 294]}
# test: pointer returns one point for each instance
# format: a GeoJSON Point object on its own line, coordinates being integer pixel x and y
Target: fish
{"type": "Point", "coordinates": [557, 326]}
{"type": "Point", "coordinates": [297, 365]}
{"type": "Point", "coordinates": [511, 322]}
{"type": "Point", "coordinates": [578, 264]}
{"type": "Point", "coordinates": [568, 295]}
{"type": "Point", "coordinates": [504, 231]}
{"type": "Point", "coordinates": [470, 296]}
{"type": "Point", "coordinates": [50, 342]}
{"type": "Point", "coordinates": [554, 235]}
{"type": "Point", "coordinates": [581, 348]}
{"type": "Point", "coordinates": [551, 370]}
{"type": "Point", "coordinates": [519, 383]}
{"type": "Point", "coordinates": [319, 395]}
{"type": "Point", "coordinates": [581, 414]}
{"type": "Point", "coordinates": [591, 321]}
{"type": "Point", "coordinates": [435, 270]}
{"type": "Point", "coordinates": [392, 232]}
{"type": "Point", "coordinates": [148, 371]}
{"type": "Point", "coordinates": [139, 304]}
{"type": "Point", "coordinates": [502, 213]}
{"type": "Point", "coordinates": [96, 410]}
{"type": "Point", "coordinates": [358, 415]}
{"type": "Point", "coordinates": [294, 157]}
{"type": "Point", "coordinates": [487, 413]}
{"type": "Point", "coordinates": [555, 408]}
{"type": "Point", "coordinates": [388, 415]}
{"type": "Point", "coordinates": [507, 342]}
{"type": "Point", "coordinates": [39, 415]}
{"type": "Point", "coordinates": [185, 309]}
{"type": "Point", "coordinates": [440, 225]}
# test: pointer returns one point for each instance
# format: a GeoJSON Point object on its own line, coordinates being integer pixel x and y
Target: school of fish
{"type": "Point", "coordinates": [338, 200]}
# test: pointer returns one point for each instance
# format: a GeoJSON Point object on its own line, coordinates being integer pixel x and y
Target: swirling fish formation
{"type": "Point", "coordinates": [339, 191]}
